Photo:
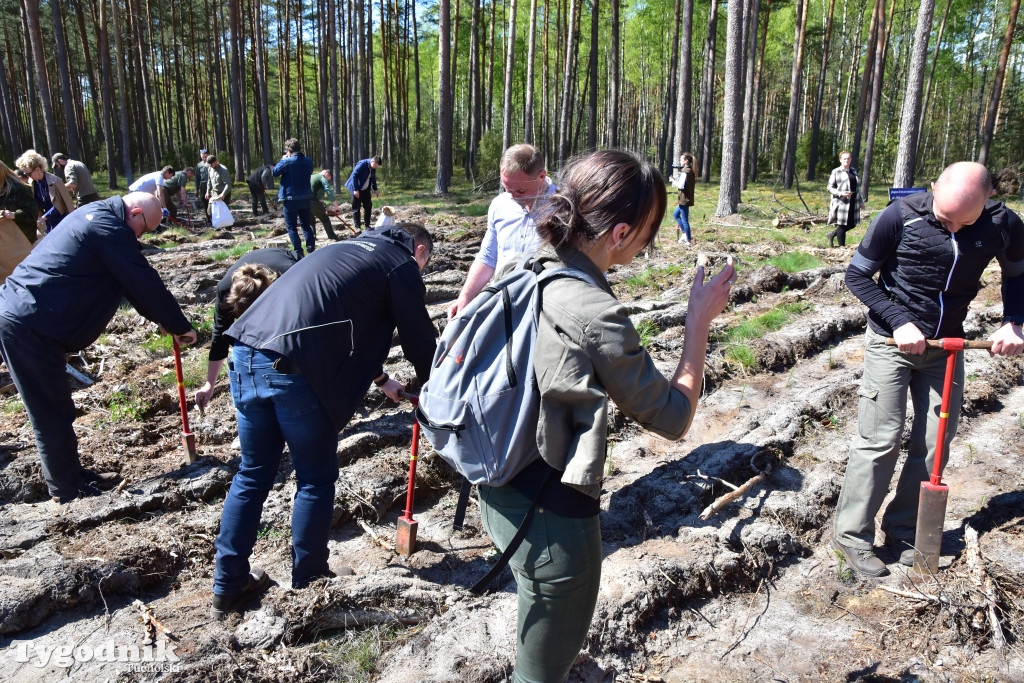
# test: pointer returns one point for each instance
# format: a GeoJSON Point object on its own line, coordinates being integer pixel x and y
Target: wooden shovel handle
{"type": "Point", "coordinates": [937, 344]}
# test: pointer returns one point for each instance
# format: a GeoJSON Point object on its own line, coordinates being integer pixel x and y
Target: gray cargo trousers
{"type": "Point", "coordinates": [888, 376]}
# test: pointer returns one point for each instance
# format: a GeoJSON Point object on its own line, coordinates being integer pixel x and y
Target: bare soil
{"type": "Point", "coordinates": [753, 593]}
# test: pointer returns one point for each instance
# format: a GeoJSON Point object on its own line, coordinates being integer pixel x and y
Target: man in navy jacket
{"type": "Point", "coordinates": [59, 300]}
{"type": "Point", "coordinates": [928, 252]}
{"type": "Point", "coordinates": [360, 183]}
{"type": "Point", "coordinates": [295, 168]}
{"type": "Point", "coordinates": [304, 356]}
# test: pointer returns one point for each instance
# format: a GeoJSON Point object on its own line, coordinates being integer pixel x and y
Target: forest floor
{"type": "Point", "coordinates": [752, 593]}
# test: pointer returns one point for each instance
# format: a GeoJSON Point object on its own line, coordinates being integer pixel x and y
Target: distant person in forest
{"type": "Point", "coordinates": [77, 179]}
{"type": "Point", "coordinates": [844, 209]}
{"type": "Point", "coordinates": [361, 183]}
{"type": "Point", "coordinates": [152, 182]}
{"type": "Point", "coordinates": [241, 285]}
{"type": "Point", "coordinates": [295, 169]}
{"type": "Point", "coordinates": [53, 198]}
{"type": "Point", "coordinates": [684, 180]}
{"type": "Point", "coordinates": [175, 187]}
{"type": "Point", "coordinates": [202, 177]}
{"type": "Point", "coordinates": [17, 202]}
{"type": "Point", "coordinates": [219, 186]}
{"type": "Point", "coordinates": [320, 186]}
{"type": "Point", "coordinates": [511, 228]}
{"type": "Point", "coordinates": [259, 181]}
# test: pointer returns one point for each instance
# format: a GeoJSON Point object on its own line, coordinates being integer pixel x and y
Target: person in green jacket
{"type": "Point", "coordinates": [320, 184]}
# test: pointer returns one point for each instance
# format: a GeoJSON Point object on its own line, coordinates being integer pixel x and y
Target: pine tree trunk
{"type": "Point", "coordinates": [906, 154]}
{"type": "Point", "coordinates": [881, 53]}
{"type": "Point", "coordinates": [795, 87]}
{"type": "Point", "coordinates": [877, 19]}
{"type": "Point", "coordinates": [565, 121]}
{"type": "Point", "coordinates": [103, 40]}
{"type": "Point", "coordinates": [708, 94]}
{"type": "Point", "coordinates": [931, 78]}
{"type": "Point", "coordinates": [510, 58]}
{"type": "Point", "coordinates": [668, 156]}
{"type": "Point", "coordinates": [236, 82]}
{"type": "Point", "coordinates": [749, 94]}
{"type": "Point", "coordinates": [122, 87]}
{"type": "Point", "coordinates": [444, 99]}
{"type": "Point", "coordinates": [416, 64]}
{"type": "Point", "coordinates": [614, 77]}
{"type": "Point", "coordinates": [12, 137]}
{"type": "Point", "coordinates": [261, 82]}
{"type": "Point", "coordinates": [592, 124]}
{"type": "Point", "coordinates": [732, 123]}
{"type": "Point", "coordinates": [812, 156]}
{"type": "Point", "coordinates": [997, 87]}
{"type": "Point", "coordinates": [64, 75]}
{"type": "Point", "coordinates": [35, 37]}
{"type": "Point", "coordinates": [472, 90]}
{"type": "Point", "coordinates": [684, 86]}
{"type": "Point", "coordinates": [531, 54]}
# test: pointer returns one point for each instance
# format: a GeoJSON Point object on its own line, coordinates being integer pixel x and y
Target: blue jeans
{"type": "Point", "coordinates": [682, 216]}
{"type": "Point", "coordinates": [297, 211]}
{"type": "Point", "coordinates": [274, 409]}
{"type": "Point", "coordinates": [558, 573]}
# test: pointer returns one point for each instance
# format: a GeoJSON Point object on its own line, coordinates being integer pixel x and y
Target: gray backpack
{"type": "Point", "coordinates": [480, 406]}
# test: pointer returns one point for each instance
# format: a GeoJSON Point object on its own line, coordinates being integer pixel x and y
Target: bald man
{"type": "Point", "coordinates": [929, 251]}
{"type": "Point", "coordinates": [59, 300]}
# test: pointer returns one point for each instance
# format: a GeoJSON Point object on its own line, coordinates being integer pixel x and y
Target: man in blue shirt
{"type": "Point", "coordinates": [295, 169]}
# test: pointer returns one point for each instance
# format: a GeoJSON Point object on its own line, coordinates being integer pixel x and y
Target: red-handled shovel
{"type": "Point", "coordinates": [931, 508]}
{"type": "Point", "coordinates": [187, 437]}
{"type": "Point", "coordinates": [407, 526]}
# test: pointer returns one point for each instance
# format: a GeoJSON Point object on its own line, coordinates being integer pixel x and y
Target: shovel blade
{"type": "Point", "coordinates": [188, 440]}
{"type": "Point", "coordinates": [931, 517]}
{"type": "Point", "coordinates": [406, 544]}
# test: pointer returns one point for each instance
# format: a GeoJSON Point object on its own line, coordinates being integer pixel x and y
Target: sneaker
{"type": "Point", "coordinates": [864, 562]}
{"type": "Point", "coordinates": [223, 605]}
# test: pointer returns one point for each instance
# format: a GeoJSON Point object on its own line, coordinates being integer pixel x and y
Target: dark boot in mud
{"type": "Point", "coordinates": [223, 605]}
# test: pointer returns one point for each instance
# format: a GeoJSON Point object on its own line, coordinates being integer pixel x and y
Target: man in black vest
{"type": "Point", "coordinates": [929, 251]}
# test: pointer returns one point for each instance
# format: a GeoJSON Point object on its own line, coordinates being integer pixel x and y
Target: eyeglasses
{"type": "Point", "coordinates": [145, 221]}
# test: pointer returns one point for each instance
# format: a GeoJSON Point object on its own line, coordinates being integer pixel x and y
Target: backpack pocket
{"type": "Point", "coordinates": [455, 433]}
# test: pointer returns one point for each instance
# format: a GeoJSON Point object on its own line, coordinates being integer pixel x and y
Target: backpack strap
{"type": "Point", "coordinates": [480, 587]}
{"type": "Point", "coordinates": [460, 507]}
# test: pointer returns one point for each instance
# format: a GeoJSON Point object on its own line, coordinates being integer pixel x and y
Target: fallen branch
{"type": "Point", "coordinates": [727, 498]}
{"type": "Point", "coordinates": [375, 536]}
{"type": "Point", "coordinates": [927, 597]}
{"type": "Point", "coordinates": [149, 618]}
{"type": "Point", "coordinates": [987, 586]}
{"type": "Point", "coordinates": [784, 221]}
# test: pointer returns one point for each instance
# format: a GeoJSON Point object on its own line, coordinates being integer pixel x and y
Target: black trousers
{"type": "Point", "coordinates": [365, 200]}
{"type": "Point", "coordinates": [259, 197]}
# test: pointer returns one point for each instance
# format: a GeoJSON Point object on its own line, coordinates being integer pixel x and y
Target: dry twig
{"type": "Point", "coordinates": [984, 582]}
{"type": "Point", "coordinates": [727, 498]}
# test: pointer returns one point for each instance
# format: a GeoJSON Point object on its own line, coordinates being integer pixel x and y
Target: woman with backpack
{"type": "Point", "coordinates": [608, 208]}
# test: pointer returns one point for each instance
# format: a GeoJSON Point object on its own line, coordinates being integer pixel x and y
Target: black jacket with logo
{"type": "Point", "coordinates": [334, 313]}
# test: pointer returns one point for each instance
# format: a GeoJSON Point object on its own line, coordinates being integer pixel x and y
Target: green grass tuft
{"type": "Point", "coordinates": [795, 261]}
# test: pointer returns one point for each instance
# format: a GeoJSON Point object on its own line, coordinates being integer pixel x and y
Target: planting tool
{"type": "Point", "coordinates": [188, 439]}
{"type": "Point", "coordinates": [407, 526]}
{"type": "Point", "coordinates": [931, 507]}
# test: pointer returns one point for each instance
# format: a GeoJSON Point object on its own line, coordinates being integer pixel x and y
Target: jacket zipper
{"type": "Point", "coordinates": [942, 298]}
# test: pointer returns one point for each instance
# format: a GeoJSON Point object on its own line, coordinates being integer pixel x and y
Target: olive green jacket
{"type": "Point", "coordinates": [587, 352]}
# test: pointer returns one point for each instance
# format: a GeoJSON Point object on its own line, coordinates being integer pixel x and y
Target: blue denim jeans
{"type": "Point", "coordinates": [274, 409]}
{"type": "Point", "coordinates": [682, 216]}
{"type": "Point", "coordinates": [558, 573]}
{"type": "Point", "coordinates": [297, 211]}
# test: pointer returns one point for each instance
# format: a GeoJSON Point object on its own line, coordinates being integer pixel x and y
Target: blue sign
{"type": "Point", "coordinates": [899, 192]}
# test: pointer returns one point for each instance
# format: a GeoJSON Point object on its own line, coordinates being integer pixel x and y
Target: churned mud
{"type": "Point", "coordinates": [118, 587]}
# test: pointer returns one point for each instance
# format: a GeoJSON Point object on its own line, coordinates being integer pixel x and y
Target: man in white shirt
{"type": "Point", "coordinates": [511, 228]}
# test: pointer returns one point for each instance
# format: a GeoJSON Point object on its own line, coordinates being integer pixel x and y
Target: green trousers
{"type": "Point", "coordinates": [889, 374]}
{"type": "Point", "coordinates": [319, 211]}
{"type": "Point", "coordinates": [558, 572]}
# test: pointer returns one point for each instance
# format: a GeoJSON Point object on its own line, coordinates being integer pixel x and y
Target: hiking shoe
{"type": "Point", "coordinates": [903, 549]}
{"type": "Point", "coordinates": [223, 605]}
{"type": "Point", "coordinates": [907, 557]}
{"type": "Point", "coordinates": [864, 562]}
{"type": "Point", "coordinates": [104, 481]}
